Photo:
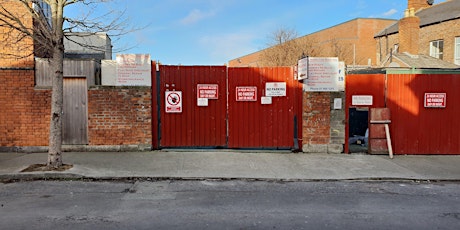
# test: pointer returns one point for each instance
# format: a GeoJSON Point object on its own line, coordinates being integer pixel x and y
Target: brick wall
{"type": "Point", "coordinates": [446, 31]}
{"type": "Point", "coordinates": [409, 35]}
{"type": "Point", "coordinates": [338, 120]}
{"type": "Point", "coordinates": [24, 117]}
{"type": "Point", "coordinates": [323, 129]}
{"type": "Point", "coordinates": [315, 126]}
{"type": "Point", "coordinates": [119, 116]}
{"type": "Point", "coordinates": [12, 43]}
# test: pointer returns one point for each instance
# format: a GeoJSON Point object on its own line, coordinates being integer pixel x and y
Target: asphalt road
{"type": "Point", "coordinates": [229, 205]}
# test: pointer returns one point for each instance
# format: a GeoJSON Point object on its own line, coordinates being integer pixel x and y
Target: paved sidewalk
{"type": "Point", "coordinates": [236, 165]}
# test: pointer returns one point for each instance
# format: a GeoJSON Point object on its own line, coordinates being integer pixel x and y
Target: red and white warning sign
{"type": "Point", "coordinates": [246, 93]}
{"type": "Point", "coordinates": [435, 100]}
{"type": "Point", "coordinates": [209, 91]}
{"type": "Point", "coordinates": [173, 101]}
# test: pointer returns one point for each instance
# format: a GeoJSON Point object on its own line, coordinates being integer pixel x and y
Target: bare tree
{"type": "Point", "coordinates": [284, 48]}
{"type": "Point", "coordinates": [343, 49]}
{"type": "Point", "coordinates": [47, 31]}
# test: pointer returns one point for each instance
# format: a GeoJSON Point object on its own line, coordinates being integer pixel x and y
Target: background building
{"type": "Point", "coordinates": [352, 41]}
{"type": "Point", "coordinates": [426, 35]}
{"type": "Point", "coordinates": [88, 45]}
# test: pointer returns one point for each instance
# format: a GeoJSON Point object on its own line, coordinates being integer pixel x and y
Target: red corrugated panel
{"type": "Point", "coordinates": [419, 130]}
{"type": "Point", "coordinates": [195, 126]}
{"type": "Point", "coordinates": [363, 84]}
{"type": "Point", "coordinates": [253, 125]}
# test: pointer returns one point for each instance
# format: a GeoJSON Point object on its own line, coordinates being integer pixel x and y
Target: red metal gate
{"type": "Point", "coordinates": [268, 121]}
{"type": "Point", "coordinates": [199, 107]}
{"type": "Point", "coordinates": [194, 125]}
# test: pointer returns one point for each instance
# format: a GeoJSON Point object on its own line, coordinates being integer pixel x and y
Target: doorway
{"type": "Point", "coordinates": [358, 130]}
{"type": "Point", "coordinates": [75, 117]}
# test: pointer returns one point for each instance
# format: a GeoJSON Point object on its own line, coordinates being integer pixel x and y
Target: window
{"type": "Point", "coordinates": [44, 9]}
{"type": "Point", "coordinates": [437, 48]}
{"type": "Point", "coordinates": [396, 48]}
{"type": "Point", "coordinates": [457, 51]}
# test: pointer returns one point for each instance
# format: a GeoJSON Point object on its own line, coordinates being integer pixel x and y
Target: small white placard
{"type": "Point", "coordinates": [266, 100]}
{"type": "Point", "coordinates": [338, 103]}
{"type": "Point", "coordinates": [362, 100]}
{"type": "Point", "coordinates": [203, 101]}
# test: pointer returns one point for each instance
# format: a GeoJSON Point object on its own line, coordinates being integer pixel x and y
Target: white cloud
{"type": "Point", "coordinates": [195, 16]}
{"type": "Point", "coordinates": [390, 13]}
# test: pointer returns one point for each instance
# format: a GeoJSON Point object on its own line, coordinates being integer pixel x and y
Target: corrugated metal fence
{"type": "Point", "coordinates": [216, 106]}
{"type": "Point", "coordinates": [415, 128]}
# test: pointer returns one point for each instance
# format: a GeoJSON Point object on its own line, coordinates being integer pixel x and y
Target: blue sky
{"type": "Point", "coordinates": [212, 32]}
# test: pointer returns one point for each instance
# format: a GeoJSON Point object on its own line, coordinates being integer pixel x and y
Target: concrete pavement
{"type": "Point", "coordinates": [223, 164]}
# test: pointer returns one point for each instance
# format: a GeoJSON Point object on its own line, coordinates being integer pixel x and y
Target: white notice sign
{"type": "Point", "coordinates": [275, 89]}
{"type": "Point", "coordinates": [362, 100]}
{"type": "Point", "coordinates": [322, 74]}
{"type": "Point", "coordinates": [134, 70]}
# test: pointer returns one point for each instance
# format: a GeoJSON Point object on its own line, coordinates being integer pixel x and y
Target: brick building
{"type": "Point", "coordinates": [352, 41]}
{"type": "Point", "coordinates": [24, 119]}
{"type": "Point", "coordinates": [426, 35]}
{"type": "Point", "coordinates": [119, 117]}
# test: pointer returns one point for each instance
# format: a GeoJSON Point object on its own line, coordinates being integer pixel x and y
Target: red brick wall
{"type": "Point", "coordinates": [316, 124]}
{"type": "Point", "coordinates": [119, 116]}
{"type": "Point", "coordinates": [24, 117]}
{"type": "Point", "coordinates": [409, 32]}
{"type": "Point", "coordinates": [9, 44]}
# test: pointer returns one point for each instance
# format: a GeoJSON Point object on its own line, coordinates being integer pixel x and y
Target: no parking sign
{"type": "Point", "coordinates": [173, 101]}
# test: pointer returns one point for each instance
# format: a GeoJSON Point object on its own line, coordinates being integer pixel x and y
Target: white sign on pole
{"type": "Point", "coordinates": [322, 74]}
{"type": "Point", "coordinates": [173, 101]}
{"type": "Point", "coordinates": [275, 89]}
{"type": "Point", "coordinates": [302, 69]}
{"type": "Point", "coordinates": [134, 70]}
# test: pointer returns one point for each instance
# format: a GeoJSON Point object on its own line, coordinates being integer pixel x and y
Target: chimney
{"type": "Point", "coordinates": [409, 32]}
{"type": "Point", "coordinates": [417, 4]}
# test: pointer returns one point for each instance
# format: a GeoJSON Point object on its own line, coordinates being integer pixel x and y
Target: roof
{"type": "Point", "coordinates": [435, 14]}
{"type": "Point", "coordinates": [423, 61]}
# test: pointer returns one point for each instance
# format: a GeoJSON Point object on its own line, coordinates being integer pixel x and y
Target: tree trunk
{"type": "Point", "coordinates": [55, 138]}
{"type": "Point", "coordinates": [57, 63]}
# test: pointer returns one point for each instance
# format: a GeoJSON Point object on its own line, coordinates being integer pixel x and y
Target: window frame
{"type": "Point", "coordinates": [437, 49]}
{"type": "Point", "coordinates": [457, 51]}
